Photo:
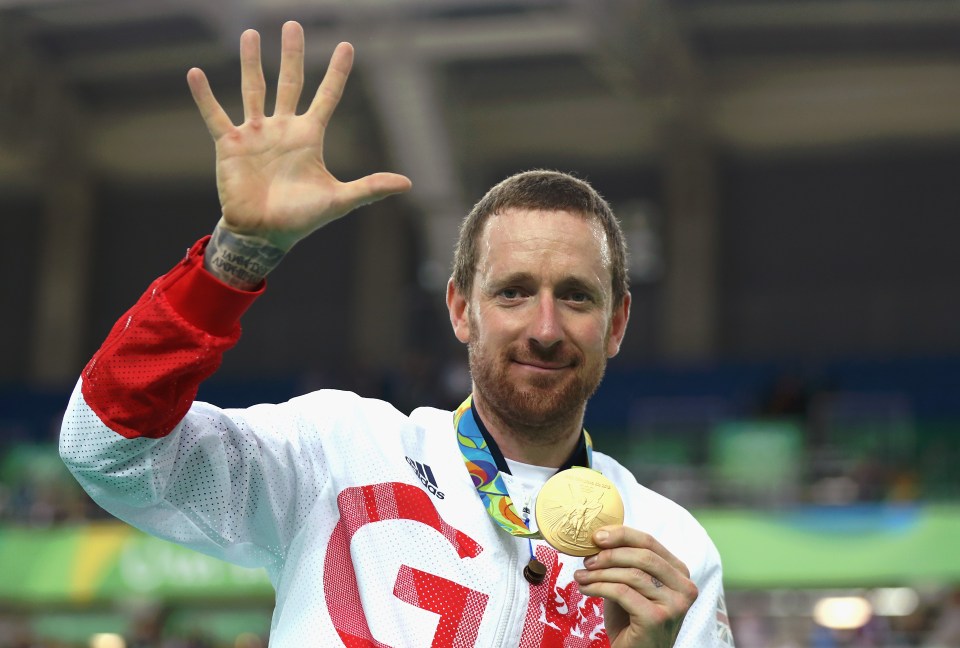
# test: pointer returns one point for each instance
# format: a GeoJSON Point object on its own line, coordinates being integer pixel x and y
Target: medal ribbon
{"type": "Point", "coordinates": [487, 478]}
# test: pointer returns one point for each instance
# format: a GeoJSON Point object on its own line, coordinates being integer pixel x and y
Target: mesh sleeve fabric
{"type": "Point", "coordinates": [234, 484]}
{"type": "Point", "coordinates": [192, 473]}
{"type": "Point", "coordinates": [144, 377]}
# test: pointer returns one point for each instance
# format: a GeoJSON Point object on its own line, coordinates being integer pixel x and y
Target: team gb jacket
{"type": "Point", "coordinates": [365, 519]}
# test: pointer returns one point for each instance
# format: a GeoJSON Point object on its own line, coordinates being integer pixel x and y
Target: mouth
{"type": "Point", "coordinates": [543, 365]}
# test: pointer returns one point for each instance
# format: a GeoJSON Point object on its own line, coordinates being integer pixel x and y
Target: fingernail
{"type": "Point", "coordinates": [601, 536]}
{"type": "Point", "coordinates": [590, 561]}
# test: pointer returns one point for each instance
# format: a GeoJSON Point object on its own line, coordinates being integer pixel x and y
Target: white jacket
{"type": "Point", "coordinates": [365, 519]}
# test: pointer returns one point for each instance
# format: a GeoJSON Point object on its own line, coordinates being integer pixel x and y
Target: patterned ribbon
{"type": "Point", "coordinates": [478, 455]}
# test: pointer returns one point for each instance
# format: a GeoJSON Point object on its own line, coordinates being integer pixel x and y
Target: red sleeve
{"type": "Point", "coordinates": [145, 376]}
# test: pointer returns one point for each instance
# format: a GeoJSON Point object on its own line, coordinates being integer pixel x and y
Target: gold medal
{"type": "Point", "coordinates": [572, 505]}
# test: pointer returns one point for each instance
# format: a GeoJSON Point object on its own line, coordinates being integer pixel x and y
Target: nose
{"type": "Point", "coordinates": [546, 330]}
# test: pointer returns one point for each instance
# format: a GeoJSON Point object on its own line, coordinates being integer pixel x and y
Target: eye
{"type": "Point", "coordinates": [510, 293]}
{"type": "Point", "coordinates": [579, 297]}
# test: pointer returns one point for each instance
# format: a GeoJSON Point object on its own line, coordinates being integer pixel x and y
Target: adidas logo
{"type": "Point", "coordinates": [425, 474]}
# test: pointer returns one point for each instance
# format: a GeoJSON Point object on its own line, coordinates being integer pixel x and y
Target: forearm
{"type": "Point", "coordinates": [240, 261]}
{"type": "Point", "coordinates": [124, 430]}
{"type": "Point", "coordinates": [145, 375]}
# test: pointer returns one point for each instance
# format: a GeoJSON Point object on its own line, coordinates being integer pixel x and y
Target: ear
{"type": "Point", "coordinates": [618, 326]}
{"type": "Point", "coordinates": [457, 307]}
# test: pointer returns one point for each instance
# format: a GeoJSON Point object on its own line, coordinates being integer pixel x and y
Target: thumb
{"type": "Point", "coordinates": [373, 187]}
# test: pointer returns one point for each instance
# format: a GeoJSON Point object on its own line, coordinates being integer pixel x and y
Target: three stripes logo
{"type": "Point", "coordinates": [425, 475]}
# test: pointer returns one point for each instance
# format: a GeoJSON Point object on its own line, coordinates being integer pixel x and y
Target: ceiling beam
{"type": "Point", "coordinates": [806, 14]}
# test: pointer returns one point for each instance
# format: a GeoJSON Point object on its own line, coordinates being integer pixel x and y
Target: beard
{"type": "Point", "coordinates": [536, 404]}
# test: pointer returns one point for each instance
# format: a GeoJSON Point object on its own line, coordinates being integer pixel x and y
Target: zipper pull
{"type": "Point", "coordinates": [535, 572]}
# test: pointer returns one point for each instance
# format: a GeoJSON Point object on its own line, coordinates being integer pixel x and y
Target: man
{"type": "Point", "coordinates": [373, 525]}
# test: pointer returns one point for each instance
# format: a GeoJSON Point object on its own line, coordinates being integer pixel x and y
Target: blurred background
{"type": "Point", "coordinates": [786, 172]}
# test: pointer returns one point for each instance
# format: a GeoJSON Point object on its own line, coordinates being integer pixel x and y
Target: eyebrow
{"type": "Point", "coordinates": [512, 278]}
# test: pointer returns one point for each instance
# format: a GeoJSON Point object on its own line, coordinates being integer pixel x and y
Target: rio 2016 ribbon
{"type": "Point", "coordinates": [487, 479]}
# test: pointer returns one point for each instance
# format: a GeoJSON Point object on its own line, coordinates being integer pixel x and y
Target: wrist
{"type": "Point", "coordinates": [239, 260]}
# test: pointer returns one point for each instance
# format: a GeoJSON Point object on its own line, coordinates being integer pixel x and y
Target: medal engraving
{"type": "Point", "coordinates": [572, 505]}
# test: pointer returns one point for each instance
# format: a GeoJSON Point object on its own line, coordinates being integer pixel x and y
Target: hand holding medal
{"type": "Point", "coordinates": [646, 589]}
{"type": "Point", "coordinates": [571, 507]}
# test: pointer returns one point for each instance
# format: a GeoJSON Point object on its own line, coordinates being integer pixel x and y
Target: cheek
{"type": "Point", "coordinates": [593, 334]}
{"type": "Point", "coordinates": [493, 326]}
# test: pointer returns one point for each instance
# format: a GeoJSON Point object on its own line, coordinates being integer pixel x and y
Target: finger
{"type": "Point", "coordinates": [642, 596]}
{"type": "Point", "coordinates": [290, 82]}
{"type": "Point", "coordinates": [651, 587]}
{"type": "Point", "coordinates": [624, 536]}
{"type": "Point", "coordinates": [216, 119]}
{"type": "Point", "coordinates": [252, 86]}
{"type": "Point", "coordinates": [647, 566]}
{"type": "Point", "coordinates": [655, 618]}
{"type": "Point", "coordinates": [373, 188]}
{"type": "Point", "coordinates": [331, 88]}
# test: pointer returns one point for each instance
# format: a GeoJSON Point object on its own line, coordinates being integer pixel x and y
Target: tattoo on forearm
{"type": "Point", "coordinates": [240, 261]}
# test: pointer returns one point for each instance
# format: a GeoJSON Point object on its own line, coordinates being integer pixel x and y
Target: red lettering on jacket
{"type": "Point", "coordinates": [557, 617]}
{"type": "Point", "coordinates": [460, 608]}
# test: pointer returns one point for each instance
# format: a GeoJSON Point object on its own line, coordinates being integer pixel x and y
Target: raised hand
{"type": "Point", "coordinates": [273, 183]}
{"type": "Point", "coordinates": [646, 589]}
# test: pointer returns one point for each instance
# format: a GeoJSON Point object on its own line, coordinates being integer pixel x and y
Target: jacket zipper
{"type": "Point", "coordinates": [514, 567]}
{"type": "Point", "coordinates": [506, 615]}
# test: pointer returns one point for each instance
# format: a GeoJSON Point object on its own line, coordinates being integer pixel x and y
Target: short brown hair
{"type": "Point", "coordinates": [541, 190]}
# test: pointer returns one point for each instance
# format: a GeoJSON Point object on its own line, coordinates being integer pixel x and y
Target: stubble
{"type": "Point", "coordinates": [539, 410]}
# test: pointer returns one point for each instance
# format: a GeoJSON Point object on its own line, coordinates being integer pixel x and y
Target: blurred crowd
{"type": "Point", "coordinates": [28, 639]}
{"type": "Point", "coordinates": [149, 626]}
{"type": "Point", "coordinates": [936, 624]}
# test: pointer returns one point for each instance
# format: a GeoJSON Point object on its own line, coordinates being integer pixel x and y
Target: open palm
{"type": "Point", "coordinates": [271, 176]}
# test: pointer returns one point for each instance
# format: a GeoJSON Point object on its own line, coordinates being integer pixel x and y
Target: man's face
{"type": "Point", "coordinates": [539, 323]}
